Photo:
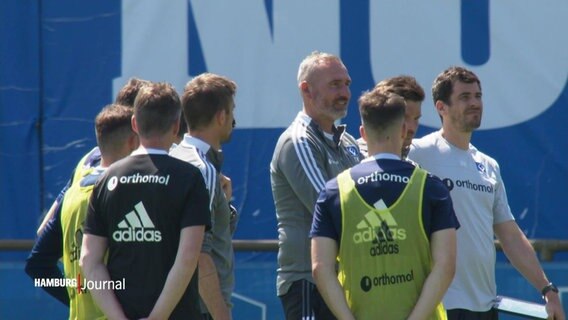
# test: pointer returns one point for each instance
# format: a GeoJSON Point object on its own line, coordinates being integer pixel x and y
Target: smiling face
{"type": "Point", "coordinates": [465, 107]}
{"type": "Point", "coordinates": [326, 91]}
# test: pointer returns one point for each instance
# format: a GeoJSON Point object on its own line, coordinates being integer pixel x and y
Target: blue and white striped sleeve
{"type": "Point", "coordinates": [301, 161]}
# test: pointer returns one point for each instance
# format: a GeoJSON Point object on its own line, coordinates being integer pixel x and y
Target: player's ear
{"type": "Point", "coordinates": [305, 88]}
{"type": "Point", "coordinates": [440, 107]}
{"type": "Point", "coordinates": [221, 117]}
{"type": "Point", "coordinates": [134, 124]}
{"type": "Point", "coordinates": [363, 133]}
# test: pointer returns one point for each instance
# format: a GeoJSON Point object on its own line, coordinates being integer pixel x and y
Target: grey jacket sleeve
{"type": "Point", "coordinates": [301, 162]}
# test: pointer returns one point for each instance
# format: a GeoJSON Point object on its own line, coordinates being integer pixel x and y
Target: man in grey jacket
{"type": "Point", "coordinates": [208, 104]}
{"type": "Point", "coordinates": [310, 152]}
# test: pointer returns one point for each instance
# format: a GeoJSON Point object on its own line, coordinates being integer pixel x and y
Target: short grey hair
{"type": "Point", "coordinates": [311, 62]}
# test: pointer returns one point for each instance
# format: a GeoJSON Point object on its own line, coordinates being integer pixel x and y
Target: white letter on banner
{"type": "Point", "coordinates": [527, 69]}
{"type": "Point", "coordinates": [154, 42]}
{"type": "Point", "coordinates": [236, 42]}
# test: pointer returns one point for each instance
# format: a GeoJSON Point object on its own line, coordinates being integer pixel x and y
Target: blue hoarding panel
{"type": "Point", "coordinates": [72, 59]}
{"type": "Point", "coordinates": [20, 119]}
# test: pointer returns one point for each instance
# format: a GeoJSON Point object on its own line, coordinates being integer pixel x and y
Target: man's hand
{"type": "Point", "coordinates": [227, 186]}
{"type": "Point", "coordinates": [554, 307]}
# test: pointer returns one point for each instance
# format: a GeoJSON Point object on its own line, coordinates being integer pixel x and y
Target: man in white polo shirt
{"type": "Point", "coordinates": [480, 202]}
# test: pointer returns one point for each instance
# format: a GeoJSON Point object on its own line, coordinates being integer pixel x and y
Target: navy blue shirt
{"type": "Point", "coordinates": [437, 207]}
{"type": "Point", "coordinates": [42, 263]}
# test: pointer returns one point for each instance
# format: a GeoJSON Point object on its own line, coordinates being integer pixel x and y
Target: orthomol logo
{"type": "Point", "coordinates": [137, 178]}
{"type": "Point", "coordinates": [385, 279]}
{"type": "Point", "coordinates": [383, 176]}
{"type": "Point", "coordinates": [450, 184]}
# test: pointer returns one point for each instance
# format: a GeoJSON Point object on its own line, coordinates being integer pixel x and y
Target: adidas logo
{"type": "Point", "coordinates": [137, 227]}
{"type": "Point", "coordinates": [379, 226]}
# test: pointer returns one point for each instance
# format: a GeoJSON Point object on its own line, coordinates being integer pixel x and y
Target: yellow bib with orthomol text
{"type": "Point", "coordinates": [384, 256]}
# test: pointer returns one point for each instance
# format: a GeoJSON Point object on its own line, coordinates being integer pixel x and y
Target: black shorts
{"type": "Point", "coordinates": [463, 314]}
{"type": "Point", "coordinates": [304, 302]}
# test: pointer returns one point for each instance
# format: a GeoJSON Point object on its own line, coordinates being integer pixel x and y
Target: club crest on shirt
{"type": "Point", "coordinates": [353, 150]}
{"type": "Point", "coordinates": [480, 167]}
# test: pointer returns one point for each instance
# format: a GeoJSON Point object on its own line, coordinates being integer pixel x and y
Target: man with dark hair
{"type": "Point", "coordinates": [311, 151]}
{"type": "Point", "coordinates": [62, 236]}
{"type": "Point", "coordinates": [128, 93]}
{"type": "Point", "coordinates": [408, 88]}
{"type": "Point", "coordinates": [208, 105]}
{"type": "Point", "coordinates": [383, 233]}
{"type": "Point", "coordinates": [150, 211]}
{"type": "Point", "coordinates": [481, 204]}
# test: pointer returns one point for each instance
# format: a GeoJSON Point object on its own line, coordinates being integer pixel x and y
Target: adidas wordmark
{"type": "Point", "coordinates": [137, 227]}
